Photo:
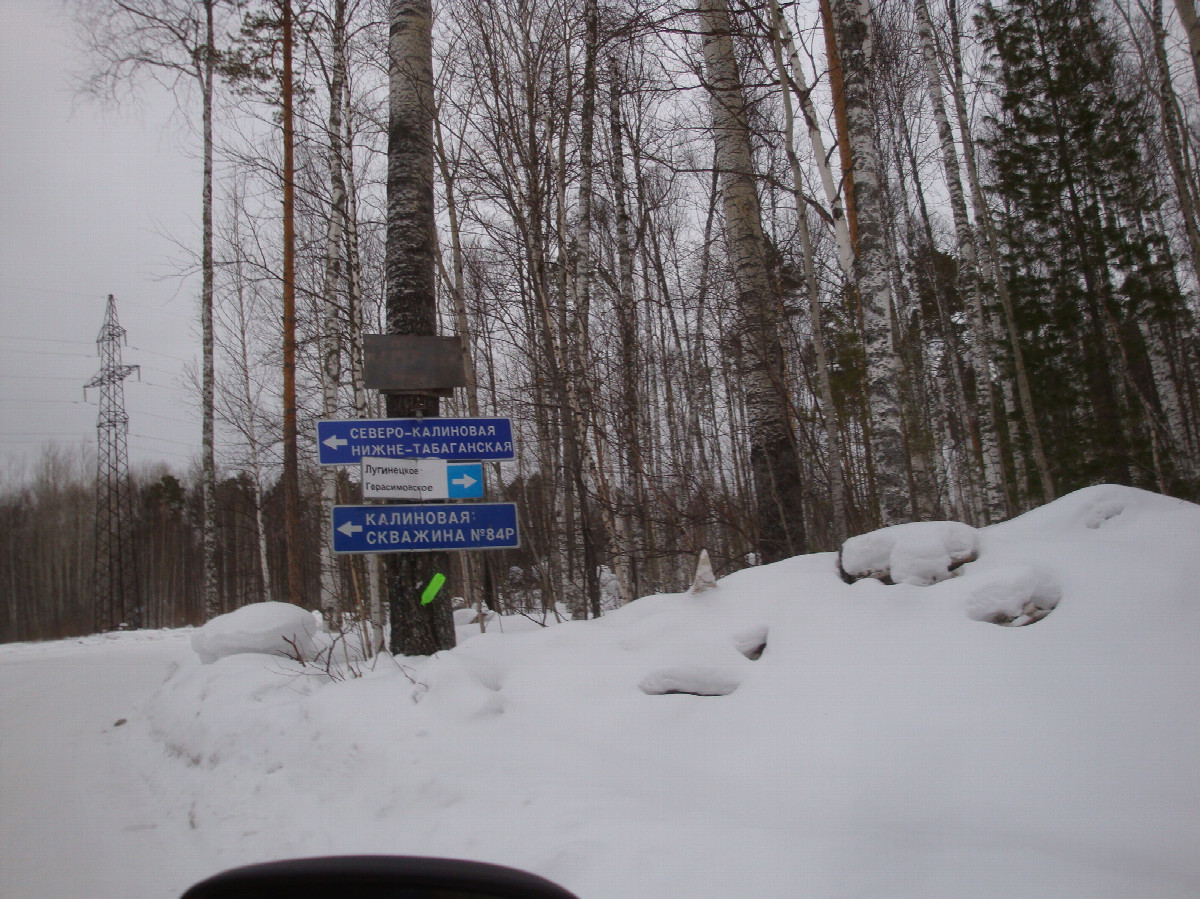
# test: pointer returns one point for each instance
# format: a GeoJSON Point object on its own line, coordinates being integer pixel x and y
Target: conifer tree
{"type": "Point", "coordinates": [1067, 147]}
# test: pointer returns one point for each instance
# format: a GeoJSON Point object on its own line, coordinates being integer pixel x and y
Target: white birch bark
{"type": "Point", "coordinates": [995, 273]}
{"type": "Point", "coordinates": [1168, 103]}
{"type": "Point", "coordinates": [244, 353]}
{"type": "Point", "coordinates": [993, 470]}
{"type": "Point", "coordinates": [874, 279]}
{"type": "Point", "coordinates": [1191, 26]}
{"type": "Point", "coordinates": [331, 342]}
{"type": "Point", "coordinates": [1182, 449]}
{"type": "Point", "coordinates": [627, 327]}
{"type": "Point", "coordinates": [354, 350]}
{"type": "Point", "coordinates": [837, 487]}
{"type": "Point", "coordinates": [212, 602]}
{"type": "Point", "coordinates": [841, 230]}
{"type": "Point", "coordinates": [774, 458]}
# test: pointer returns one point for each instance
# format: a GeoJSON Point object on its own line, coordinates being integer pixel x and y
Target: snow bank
{"type": "Point", "coordinates": [276, 628]}
{"type": "Point", "coordinates": [848, 739]}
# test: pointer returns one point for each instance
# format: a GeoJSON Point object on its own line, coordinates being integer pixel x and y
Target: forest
{"type": "Point", "coordinates": [749, 277]}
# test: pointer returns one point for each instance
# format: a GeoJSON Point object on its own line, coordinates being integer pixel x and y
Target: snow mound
{"type": "Point", "coordinates": [1013, 595]}
{"type": "Point", "coordinates": [1109, 508]}
{"type": "Point", "coordinates": [751, 643]}
{"type": "Point", "coordinates": [276, 628]}
{"type": "Point", "coordinates": [693, 654]}
{"type": "Point", "coordinates": [921, 553]}
{"type": "Point", "coordinates": [698, 680]}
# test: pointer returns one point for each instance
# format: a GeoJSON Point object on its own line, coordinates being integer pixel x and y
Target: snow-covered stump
{"type": "Point", "coordinates": [274, 628]}
{"type": "Point", "coordinates": [925, 553]}
{"type": "Point", "coordinates": [1014, 596]}
{"type": "Point", "coordinates": [704, 580]}
{"type": "Point", "coordinates": [921, 553]}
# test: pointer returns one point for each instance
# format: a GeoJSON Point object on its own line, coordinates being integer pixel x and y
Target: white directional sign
{"type": "Point", "coordinates": [420, 479]}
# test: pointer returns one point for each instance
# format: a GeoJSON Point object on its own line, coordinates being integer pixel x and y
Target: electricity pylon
{"type": "Point", "coordinates": [117, 602]}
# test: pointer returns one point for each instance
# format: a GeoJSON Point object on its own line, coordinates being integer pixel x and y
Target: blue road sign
{"type": "Point", "coordinates": [422, 528]}
{"type": "Point", "coordinates": [420, 479]}
{"type": "Point", "coordinates": [346, 441]}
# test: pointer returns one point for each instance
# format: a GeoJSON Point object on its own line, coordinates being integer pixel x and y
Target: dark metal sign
{"type": "Point", "coordinates": [410, 363]}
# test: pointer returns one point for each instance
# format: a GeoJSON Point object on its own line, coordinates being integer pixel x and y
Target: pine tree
{"type": "Point", "coordinates": [1067, 147]}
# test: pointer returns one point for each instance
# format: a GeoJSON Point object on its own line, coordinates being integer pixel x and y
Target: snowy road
{"type": "Point", "coordinates": [77, 818]}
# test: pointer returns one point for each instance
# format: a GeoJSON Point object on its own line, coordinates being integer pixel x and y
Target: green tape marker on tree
{"type": "Point", "coordinates": [431, 592]}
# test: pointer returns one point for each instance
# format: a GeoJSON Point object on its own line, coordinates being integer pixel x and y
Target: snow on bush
{"type": "Point", "coordinates": [1013, 595]}
{"type": "Point", "coordinates": [467, 616]}
{"type": "Point", "coordinates": [921, 553]}
{"type": "Point", "coordinates": [277, 628]}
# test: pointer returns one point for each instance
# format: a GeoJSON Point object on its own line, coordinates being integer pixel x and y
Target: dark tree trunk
{"type": "Point", "coordinates": [294, 590]}
{"type": "Point", "coordinates": [411, 306]}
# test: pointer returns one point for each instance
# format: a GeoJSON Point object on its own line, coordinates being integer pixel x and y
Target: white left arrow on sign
{"type": "Point", "coordinates": [350, 529]}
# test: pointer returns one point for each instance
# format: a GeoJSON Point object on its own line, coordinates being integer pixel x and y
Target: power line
{"type": "Point", "coordinates": [164, 355]}
{"type": "Point", "coordinates": [165, 440]}
{"type": "Point", "coordinates": [182, 421]}
{"type": "Point", "coordinates": [40, 378]}
{"type": "Point", "coordinates": [46, 353]}
{"type": "Point", "coordinates": [60, 340]}
{"type": "Point", "coordinates": [18, 337]}
{"type": "Point", "coordinates": [42, 434]}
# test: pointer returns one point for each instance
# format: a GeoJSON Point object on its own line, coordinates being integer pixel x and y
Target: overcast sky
{"type": "Point", "coordinates": [94, 200]}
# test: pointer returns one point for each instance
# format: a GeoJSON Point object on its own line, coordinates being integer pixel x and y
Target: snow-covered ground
{"type": "Point", "coordinates": [889, 740]}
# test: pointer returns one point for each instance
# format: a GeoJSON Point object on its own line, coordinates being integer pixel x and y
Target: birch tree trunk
{"type": "Point", "coordinates": [800, 87]}
{"type": "Point", "coordinates": [874, 279]}
{"type": "Point", "coordinates": [584, 268]}
{"type": "Point", "coordinates": [1168, 106]}
{"type": "Point", "coordinates": [993, 470]}
{"type": "Point", "coordinates": [354, 349]}
{"type": "Point", "coordinates": [774, 456]}
{"type": "Point", "coordinates": [845, 145]}
{"type": "Point", "coordinates": [244, 353]}
{"type": "Point", "coordinates": [1191, 26]}
{"type": "Point", "coordinates": [175, 39]}
{"type": "Point", "coordinates": [212, 600]}
{"type": "Point", "coordinates": [837, 487]}
{"type": "Point", "coordinates": [991, 249]}
{"type": "Point", "coordinates": [331, 343]}
{"type": "Point", "coordinates": [471, 565]}
{"type": "Point", "coordinates": [627, 493]}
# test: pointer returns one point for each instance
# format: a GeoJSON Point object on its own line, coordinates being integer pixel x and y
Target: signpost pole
{"type": "Point", "coordinates": [411, 307]}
